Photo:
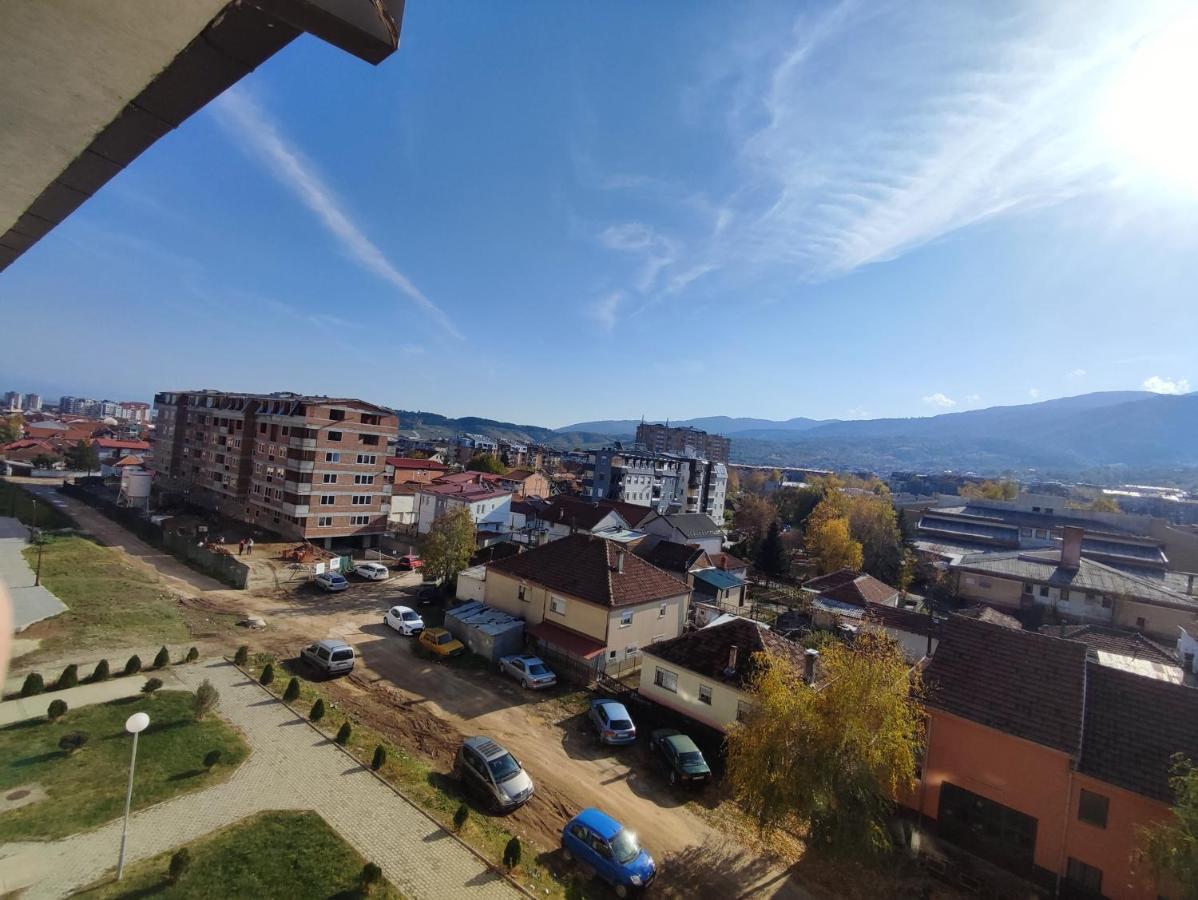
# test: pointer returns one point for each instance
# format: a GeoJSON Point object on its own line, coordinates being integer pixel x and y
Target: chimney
{"type": "Point", "coordinates": [1071, 546]}
{"type": "Point", "coordinates": [809, 659]}
{"type": "Point", "coordinates": [731, 660]}
{"type": "Point", "coordinates": [620, 561]}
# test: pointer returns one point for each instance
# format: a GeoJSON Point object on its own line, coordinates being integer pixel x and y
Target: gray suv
{"type": "Point", "coordinates": [330, 657]}
{"type": "Point", "coordinates": [488, 770]}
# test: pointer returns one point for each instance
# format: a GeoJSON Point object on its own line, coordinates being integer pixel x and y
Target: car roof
{"type": "Point", "coordinates": [329, 644]}
{"type": "Point", "coordinates": [331, 575]}
{"type": "Point", "coordinates": [436, 630]}
{"type": "Point", "coordinates": [599, 822]}
{"type": "Point", "coordinates": [372, 564]}
{"type": "Point", "coordinates": [488, 747]}
{"type": "Point", "coordinates": [682, 743]}
{"type": "Point", "coordinates": [402, 609]}
{"type": "Point", "coordinates": [612, 707]}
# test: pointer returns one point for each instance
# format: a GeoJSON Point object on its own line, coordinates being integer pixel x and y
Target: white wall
{"type": "Point", "coordinates": [720, 713]}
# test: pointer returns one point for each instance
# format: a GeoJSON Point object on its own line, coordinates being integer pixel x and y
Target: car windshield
{"type": "Point", "coordinates": [444, 638]}
{"type": "Point", "coordinates": [625, 846]}
{"type": "Point", "coordinates": [690, 758]}
{"type": "Point", "coordinates": [621, 724]}
{"type": "Point", "coordinates": [503, 767]}
{"type": "Point", "coordinates": [410, 617]}
{"type": "Point", "coordinates": [538, 669]}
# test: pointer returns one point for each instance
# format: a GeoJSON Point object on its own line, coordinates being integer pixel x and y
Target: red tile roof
{"type": "Point", "coordinates": [112, 444]}
{"type": "Point", "coordinates": [572, 642]}
{"type": "Point", "coordinates": [407, 462]}
{"type": "Point", "coordinates": [469, 492]}
{"type": "Point", "coordinates": [853, 587]}
{"type": "Point", "coordinates": [707, 651]}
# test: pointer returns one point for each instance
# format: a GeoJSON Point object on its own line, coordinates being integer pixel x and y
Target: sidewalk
{"type": "Point", "coordinates": [83, 695]}
{"type": "Point", "coordinates": [290, 767]}
{"type": "Point", "coordinates": [30, 604]}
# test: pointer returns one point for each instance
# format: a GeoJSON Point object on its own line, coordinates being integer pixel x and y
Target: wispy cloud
{"type": "Point", "coordinates": [1034, 393]}
{"type": "Point", "coordinates": [857, 412]}
{"type": "Point", "coordinates": [606, 309]}
{"type": "Point", "coordinates": [251, 127]}
{"type": "Point", "coordinates": [1076, 374]}
{"type": "Point", "coordinates": [1159, 385]}
{"type": "Point", "coordinates": [939, 400]}
{"type": "Point", "coordinates": [973, 398]}
{"type": "Point", "coordinates": [655, 251]}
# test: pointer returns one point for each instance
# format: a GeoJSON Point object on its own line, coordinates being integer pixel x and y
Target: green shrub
{"type": "Point", "coordinates": [133, 666]}
{"type": "Point", "coordinates": [56, 710]}
{"type": "Point", "coordinates": [268, 675]}
{"type": "Point", "coordinates": [180, 863]}
{"type": "Point", "coordinates": [72, 741]}
{"type": "Point", "coordinates": [317, 710]}
{"type": "Point", "coordinates": [511, 853]}
{"type": "Point", "coordinates": [370, 876]}
{"type": "Point", "coordinates": [205, 699]}
{"type": "Point", "coordinates": [151, 685]}
{"type": "Point", "coordinates": [461, 814]}
{"type": "Point", "coordinates": [293, 690]}
{"type": "Point", "coordinates": [242, 656]}
{"type": "Point", "coordinates": [211, 758]}
{"type": "Point", "coordinates": [162, 659]}
{"type": "Point", "coordinates": [100, 672]}
{"type": "Point", "coordinates": [192, 655]}
{"type": "Point", "coordinates": [380, 758]}
{"type": "Point", "coordinates": [33, 685]}
{"type": "Point", "coordinates": [343, 734]}
{"type": "Point", "coordinates": [68, 679]}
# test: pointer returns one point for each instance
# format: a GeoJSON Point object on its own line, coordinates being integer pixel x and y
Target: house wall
{"type": "Point", "coordinates": [1000, 592]}
{"type": "Point", "coordinates": [724, 699]}
{"type": "Point", "coordinates": [648, 626]}
{"type": "Point", "coordinates": [1161, 622]}
{"type": "Point", "coordinates": [503, 592]}
{"type": "Point", "coordinates": [915, 646]}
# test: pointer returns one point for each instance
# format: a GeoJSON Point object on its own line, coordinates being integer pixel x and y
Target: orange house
{"type": "Point", "coordinates": [1044, 762]}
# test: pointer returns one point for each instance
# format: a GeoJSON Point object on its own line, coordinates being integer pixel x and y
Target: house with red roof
{"type": "Point", "coordinates": [412, 470]}
{"type": "Point", "coordinates": [489, 505]}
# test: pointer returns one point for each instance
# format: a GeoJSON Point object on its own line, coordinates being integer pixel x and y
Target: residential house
{"type": "Point", "coordinates": [589, 601]}
{"type": "Point", "coordinates": [116, 467]}
{"type": "Point", "coordinates": [403, 506]}
{"type": "Point", "coordinates": [1044, 761]}
{"type": "Point", "coordinates": [110, 450]}
{"type": "Point", "coordinates": [1123, 649]}
{"type": "Point", "coordinates": [411, 470]}
{"type": "Point", "coordinates": [723, 589]}
{"type": "Point", "coordinates": [567, 515]}
{"type": "Point", "coordinates": [852, 587]}
{"type": "Point", "coordinates": [730, 563]}
{"type": "Point", "coordinates": [706, 674]}
{"type": "Point", "coordinates": [685, 528]}
{"type": "Point", "coordinates": [917, 633]}
{"type": "Point", "coordinates": [683, 560]}
{"type": "Point", "coordinates": [489, 505]}
{"type": "Point", "coordinates": [525, 483]}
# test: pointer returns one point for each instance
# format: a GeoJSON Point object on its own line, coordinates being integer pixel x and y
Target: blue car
{"type": "Point", "coordinates": [611, 722]}
{"type": "Point", "coordinates": [601, 843]}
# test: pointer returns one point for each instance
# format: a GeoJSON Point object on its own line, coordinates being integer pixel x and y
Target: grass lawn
{"type": "Point", "coordinates": [274, 854]}
{"type": "Point", "coordinates": [111, 603]}
{"type": "Point", "coordinates": [88, 788]}
{"type": "Point", "coordinates": [16, 501]}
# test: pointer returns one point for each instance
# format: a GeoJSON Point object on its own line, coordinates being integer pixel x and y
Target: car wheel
{"type": "Point", "coordinates": [621, 890]}
{"type": "Point", "coordinates": [567, 855]}
{"type": "Point", "coordinates": [673, 778]}
{"type": "Point", "coordinates": [524, 683]}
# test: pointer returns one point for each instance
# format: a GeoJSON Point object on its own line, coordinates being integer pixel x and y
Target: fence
{"type": "Point", "coordinates": [183, 547]}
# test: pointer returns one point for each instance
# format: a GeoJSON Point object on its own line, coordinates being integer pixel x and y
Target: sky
{"type": "Point", "coordinates": [549, 213]}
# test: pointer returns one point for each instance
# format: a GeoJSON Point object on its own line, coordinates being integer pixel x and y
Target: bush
{"type": "Point", "coordinates": [317, 710]}
{"type": "Point", "coordinates": [460, 816]}
{"type": "Point", "coordinates": [162, 659]}
{"type": "Point", "coordinates": [33, 685]}
{"type": "Point", "coordinates": [380, 758]}
{"type": "Point", "coordinates": [133, 666]}
{"type": "Point", "coordinates": [68, 679]}
{"type": "Point", "coordinates": [192, 655]}
{"type": "Point", "coordinates": [56, 710]}
{"type": "Point", "coordinates": [268, 675]}
{"type": "Point", "coordinates": [180, 863]}
{"type": "Point", "coordinates": [100, 672]}
{"type": "Point", "coordinates": [211, 758]}
{"type": "Point", "coordinates": [151, 685]}
{"type": "Point", "coordinates": [343, 734]}
{"type": "Point", "coordinates": [72, 741]}
{"type": "Point", "coordinates": [205, 699]}
{"type": "Point", "coordinates": [370, 876]}
{"type": "Point", "coordinates": [293, 690]}
{"type": "Point", "coordinates": [511, 853]}
{"type": "Point", "coordinates": [242, 656]}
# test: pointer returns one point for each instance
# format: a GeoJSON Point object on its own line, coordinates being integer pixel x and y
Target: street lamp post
{"type": "Point", "coordinates": [37, 575]}
{"type": "Point", "coordinates": [135, 725]}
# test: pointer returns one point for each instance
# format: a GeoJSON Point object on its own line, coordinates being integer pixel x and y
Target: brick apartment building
{"type": "Point", "coordinates": [683, 441]}
{"type": "Point", "coordinates": [304, 467]}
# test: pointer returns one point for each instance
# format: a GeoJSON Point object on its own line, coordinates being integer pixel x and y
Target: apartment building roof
{"type": "Point", "coordinates": [851, 586]}
{"type": "Point", "coordinates": [408, 462]}
{"type": "Point", "coordinates": [593, 569]}
{"type": "Point", "coordinates": [708, 651]}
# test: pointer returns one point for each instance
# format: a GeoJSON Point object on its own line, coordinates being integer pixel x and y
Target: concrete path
{"type": "Point", "coordinates": [83, 695]}
{"type": "Point", "coordinates": [291, 767]}
{"type": "Point", "coordinates": [30, 604]}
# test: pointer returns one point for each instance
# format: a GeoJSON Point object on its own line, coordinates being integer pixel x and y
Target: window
{"type": "Point", "coordinates": [362, 499]}
{"type": "Point", "coordinates": [611, 654]}
{"type": "Point", "coordinates": [705, 694]}
{"type": "Point", "coordinates": [367, 459]}
{"type": "Point", "coordinates": [1027, 588]}
{"type": "Point", "coordinates": [334, 435]}
{"type": "Point", "coordinates": [363, 479]}
{"type": "Point", "coordinates": [327, 499]}
{"type": "Point", "coordinates": [742, 710]}
{"type": "Point", "coordinates": [370, 440]}
{"type": "Point", "coordinates": [1106, 602]}
{"type": "Point", "coordinates": [557, 605]}
{"type": "Point", "coordinates": [626, 618]}
{"type": "Point", "coordinates": [1092, 808]}
{"type": "Point", "coordinates": [1141, 623]}
{"type": "Point", "coordinates": [520, 593]}
{"type": "Point", "coordinates": [1083, 877]}
{"type": "Point", "coordinates": [324, 521]}
{"type": "Point", "coordinates": [332, 457]}
{"type": "Point", "coordinates": [337, 415]}
{"type": "Point", "coordinates": [631, 651]}
{"type": "Point", "coordinates": [986, 828]}
{"type": "Point", "coordinates": [328, 478]}
{"type": "Point", "coordinates": [666, 680]}
{"type": "Point", "coordinates": [359, 520]}
{"type": "Point", "coordinates": [1043, 590]}
{"type": "Point", "coordinates": [661, 611]}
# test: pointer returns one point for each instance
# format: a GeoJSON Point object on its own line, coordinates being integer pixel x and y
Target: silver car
{"type": "Point", "coordinates": [488, 770]}
{"type": "Point", "coordinates": [530, 671]}
{"type": "Point", "coordinates": [330, 657]}
{"type": "Point", "coordinates": [611, 722]}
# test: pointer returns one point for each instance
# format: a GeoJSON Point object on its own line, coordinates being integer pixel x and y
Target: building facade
{"type": "Point", "coordinates": [637, 476]}
{"type": "Point", "coordinates": [304, 467]}
{"type": "Point", "coordinates": [684, 441]}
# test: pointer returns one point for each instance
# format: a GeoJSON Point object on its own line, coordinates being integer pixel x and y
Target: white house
{"type": "Point", "coordinates": [489, 508]}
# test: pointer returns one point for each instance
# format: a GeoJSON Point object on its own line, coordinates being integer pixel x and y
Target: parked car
{"type": "Point", "coordinates": [682, 757]}
{"type": "Point", "coordinates": [331, 581]}
{"type": "Point", "coordinates": [611, 722]}
{"type": "Point", "coordinates": [440, 642]}
{"type": "Point", "coordinates": [404, 620]}
{"type": "Point", "coordinates": [410, 562]}
{"type": "Point", "coordinates": [488, 770]}
{"type": "Point", "coordinates": [330, 657]}
{"type": "Point", "coordinates": [425, 594]}
{"type": "Point", "coordinates": [530, 671]}
{"type": "Point", "coordinates": [372, 571]}
{"type": "Point", "coordinates": [601, 843]}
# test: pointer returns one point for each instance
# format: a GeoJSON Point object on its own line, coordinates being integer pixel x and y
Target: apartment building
{"type": "Point", "coordinates": [684, 441]}
{"type": "Point", "coordinates": [305, 467]}
{"type": "Point", "coordinates": [661, 481]}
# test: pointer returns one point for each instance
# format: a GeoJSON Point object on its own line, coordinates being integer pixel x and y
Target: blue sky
{"type": "Point", "coordinates": [551, 212]}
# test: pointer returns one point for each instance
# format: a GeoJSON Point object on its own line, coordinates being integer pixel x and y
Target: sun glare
{"type": "Point", "coordinates": [1151, 112]}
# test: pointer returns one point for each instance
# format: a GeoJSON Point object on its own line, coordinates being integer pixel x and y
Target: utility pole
{"type": "Point", "coordinates": [37, 575]}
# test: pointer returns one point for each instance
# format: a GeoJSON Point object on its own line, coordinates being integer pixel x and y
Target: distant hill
{"type": "Point", "coordinates": [712, 424]}
{"type": "Point", "coordinates": [433, 425]}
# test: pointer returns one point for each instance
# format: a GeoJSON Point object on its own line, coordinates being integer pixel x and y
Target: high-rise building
{"type": "Point", "coordinates": [12, 401]}
{"type": "Point", "coordinates": [304, 467]}
{"type": "Point", "coordinates": [665, 482]}
{"type": "Point", "coordinates": [33, 402]}
{"type": "Point", "coordinates": [684, 441]}
{"type": "Point", "coordinates": [133, 411]}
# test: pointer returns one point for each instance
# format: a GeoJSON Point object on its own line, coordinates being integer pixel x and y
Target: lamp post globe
{"type": "Point", "coordinates": [137, 723]}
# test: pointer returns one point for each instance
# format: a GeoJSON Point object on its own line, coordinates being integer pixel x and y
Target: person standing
{"type": "Point", "coordinates": [241, 547]}
{"type": "Point", "coordinates": [249, 547]}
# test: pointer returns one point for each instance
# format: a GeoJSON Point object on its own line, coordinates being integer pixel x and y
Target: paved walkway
{"type": "Point", "coordinates": [83, 695]}
{"type": "Point", "coordinates": [291, 767]}
{"type": "Point", "coordinates": [30, 604]}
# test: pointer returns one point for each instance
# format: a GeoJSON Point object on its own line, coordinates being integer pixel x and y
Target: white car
{"type": "Point", "coordinates": [331, 581]}
{"type": "Point", "coordinates": [372, 571]}
{"type": "Point", "coordinates": [404, 620]}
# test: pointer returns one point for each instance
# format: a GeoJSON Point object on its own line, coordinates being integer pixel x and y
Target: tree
{"type": "Point", "coordinates": [68, 679]}
{"type": "Point", "coordinates": [1104, 504]}
{"type": "Point", "coordinates": [180, 863]}
{"type": "Point", "coordinates": [874, 524]}
{"type": "Point", "coordinates": [989, 490]}
{"type": "Point", "coordinates": [56, 710]}
{"type": "Point", "coordinates": [317, 712]}
{"type": "Point", "coordinates": [343, 734]}
{"type": "Point", "coordinates": [133, 666]}
{"type": "Point", "coordinates": [486, 462]}
{"type": "Point", "coordinates": [460, 815]}
{"type": "Point", "coordinates": [33, 684]}
{"type": "Point", "coordinates": [211, 758]}
{"type": "Point", "coordinates": [380, 757]}
{"type": "Point", "coordinates": [771, 556]}
{"type": "Point", "coordinates": [192, 655]}
{"type": "Point", "coordinates": [101, 671]}
{"type": "Point", "coordinates": [511, 853]}
{"type": "Point", "coordinates": [370, 875]}
{"type": "Point", "coordinates": [830, 543]}
{"type": "Point", "coordinates": [83, 457]}
{"type": "Point", "coordinates": [293, 690]}
{"type": "Point", "coordinates": [753, 516]}
{"type": "Point", "coordinates": [834, 757]}
{"type": "Point", "coordinates": [267, 676]}
{"type": "Point", "coordinates": [162, 659]}
{"type": "Point", "coordinates": [795, 505]}
{"type": "Point", "coordinates": [1171, 847]}
{"type": "Point", "coordinates": [11, 428]}
{"type": "Point", "coordinates": [151, 686]}
{"type": "Point", "coordinates": [43, 461]}
{"type": "Point", "coordinates": [206, 698]}
{"type": "Point", "coordinates": [72, 741]}
{"type": "Point", "coordinates": [242, 656]}
{"type": "Point", "coordinates": [450, 544]}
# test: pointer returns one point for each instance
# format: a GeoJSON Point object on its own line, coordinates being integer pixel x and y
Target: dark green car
{"type": "Point", "coordinates": [682, 758]}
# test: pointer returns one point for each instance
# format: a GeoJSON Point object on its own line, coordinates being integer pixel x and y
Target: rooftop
{"type": "Point", "coordinates": [718, 579]}
{"type": "Point", "coordinates": [706, 651]}
{"type": "Point", "coordinates": [691, 525]}
{"type": "Point", "coordinates": [672, 556]}
{"type": "Point", "coordinates": [850, 586]}
{"type": "Point", "coordinates": [408, 462]}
